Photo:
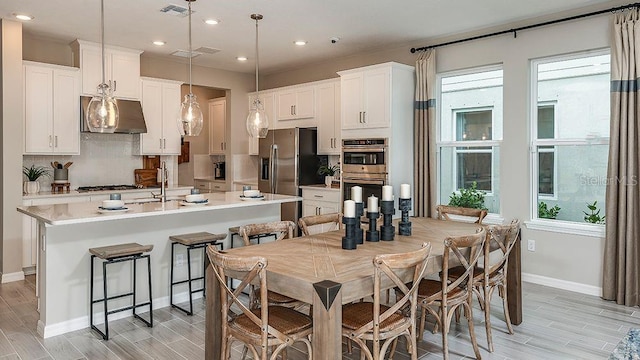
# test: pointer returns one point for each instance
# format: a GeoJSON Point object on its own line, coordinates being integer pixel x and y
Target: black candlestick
{"type": "Point", "coordinates": [387, 231]}
{"type": "Point", "coordinates": [349, 239]}
{"type": "Point", "coordinates": [404, 227]}
{"type": "Point", "coordinates": [359, 231]}
{"type": "Point", "coordinates": [373, 234]}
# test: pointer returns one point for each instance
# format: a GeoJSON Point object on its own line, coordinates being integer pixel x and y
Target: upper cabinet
{"type": "Point", "coordinates": [368, 94]}
{"type": "Point", "coordinates": [218, 126]}
{"type": "Point", "coordinates": [160, 105]}
{"type": "Point", "coordinates": [295, 103]}
{"type": "Point", "coordinates": [122, 69]}
{"type": "Point", "coordinates": [328, 116]}
{"type": "Point", "coordinates": [267, 99]}
{"type": "Point", "coordinates": [51, 109]}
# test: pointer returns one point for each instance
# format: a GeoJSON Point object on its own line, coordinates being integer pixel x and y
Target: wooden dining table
{"type": "Point", "coordinates": [315, 269]}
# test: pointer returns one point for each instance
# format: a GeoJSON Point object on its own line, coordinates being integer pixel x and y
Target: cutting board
{"type": "Point", "coordinates": [146, 177]}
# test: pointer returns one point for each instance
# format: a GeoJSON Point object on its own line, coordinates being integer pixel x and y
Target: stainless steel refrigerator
{"type": "Point", "coordinates": [288, 159]}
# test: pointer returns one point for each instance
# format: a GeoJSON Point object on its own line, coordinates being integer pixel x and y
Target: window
{"type": "Point", "coordinates": [469, 133]}
{"type": "Point", "coordinates": [570, 135]}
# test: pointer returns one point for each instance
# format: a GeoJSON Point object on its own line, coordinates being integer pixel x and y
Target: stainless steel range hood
{"type": "Point", "coordinates": [130, 112]}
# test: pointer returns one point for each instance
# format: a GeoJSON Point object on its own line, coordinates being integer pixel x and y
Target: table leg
{"type": "Point", "coordinates": [213, 321]}
{"type": "Point", "coordinates": [327, 320]}
{"type": "Point", "coordinates": [514, 284]}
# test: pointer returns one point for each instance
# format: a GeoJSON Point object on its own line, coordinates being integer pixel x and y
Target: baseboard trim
{"type": "Point", "coordinates": [82, 322]}
{"type": "Point", "coordinates": [562, 284]}
{"type": "Point", "coordinates": [11, 277]}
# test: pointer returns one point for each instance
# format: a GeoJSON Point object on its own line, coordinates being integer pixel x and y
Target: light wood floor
{"type": "Point", "coordinates": [557, 325]}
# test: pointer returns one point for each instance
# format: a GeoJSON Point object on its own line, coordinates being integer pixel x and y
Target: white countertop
{"type": "Point", "coordinates": [76, 213]}
{"type": "Point", "coordinates": [49, 194]}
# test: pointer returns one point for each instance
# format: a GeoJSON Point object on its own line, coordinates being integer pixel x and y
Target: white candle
{"type": "Point", "coordinates": [349, 209]}
{"type": "Point", "coordinates": [387, 193]}
{"type": "Point", "coordinates": [405, 191]}
{"type": "Point", "coordinates": [356, 194]}
{"type": "Point", "coordinates": [372, 204]}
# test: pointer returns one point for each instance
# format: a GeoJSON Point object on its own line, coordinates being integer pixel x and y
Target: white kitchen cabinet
{"type": "Point", "coordinates": [217, 126]}
{"type": "Point", "coordinates": [368, 94]}
{"type": "Point", "coordinates": [295, 103]}
{"type": "Point", "coordinates": [160, 105]}
{"type": "Point", "coordinates": [328, 116]}
{"type": "Point", "coordinates": [122, 69]}
{"type": "Point", "coordinates": [320, 201]}
{"type": "Point", "coordinates": [267, 99]}
{"type": "Point", "coordinates": [51, 109]}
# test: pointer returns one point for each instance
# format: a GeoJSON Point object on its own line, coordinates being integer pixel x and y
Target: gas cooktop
{"type": "Point", "coordinates": [107, 188]}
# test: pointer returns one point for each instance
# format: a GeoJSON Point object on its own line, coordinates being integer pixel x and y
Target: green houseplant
{"type": "Point", "coordinates": [544, 212]}
{"type": "Point", "coordinates": [469, 197]}
{"type": "Point", "coordinates": [329, 171]}
{"type": "Point", "coordinates": [33, 173]}
{"type": "Point", "coordinates": [594, 216]}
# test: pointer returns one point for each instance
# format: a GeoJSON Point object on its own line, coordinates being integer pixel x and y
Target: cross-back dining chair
{"type": "Point", "coordinates": [444, 211]}
{"type": "Point", "coordinates": [382, 324]}
{"type": "Point", "coordinates": [441, 298]}
{"type": "Point", "coordinates": [260, 329]}
{"type": "Point", "coordinates": [306, 222]}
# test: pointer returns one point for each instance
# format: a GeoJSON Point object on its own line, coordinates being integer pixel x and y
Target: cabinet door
{"type": "Point", "coordinates": [286, 103]}
{"type": "Point", "coordinates": [305, 100]}
{"type": "Point", "coordinates": [38, 110]}
{"type": "Point", "coordinates": [326, 115]}
{"type": "Point", "coordinates": [377, 98]}
{"type": "Point", "coordinates": [125, 74]}
{"type": "Point", "coordinates": [351, 87]}
{"type": "Point", "coordinates": [92, 69]}
{"type": "Point", "coordinates": [151, 142]}
{"type": "Point", "coordinates": [170, 109]}
{"type": "Point", "coordinates": [66, 111]}
{"type": "Point", "coordinates": [217, 126]}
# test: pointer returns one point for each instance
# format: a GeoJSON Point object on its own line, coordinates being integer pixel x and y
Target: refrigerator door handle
{"type": "Point", "coordinates": [273, 163]}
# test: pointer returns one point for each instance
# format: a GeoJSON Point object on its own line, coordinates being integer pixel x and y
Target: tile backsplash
{"type": "Point", "coordinates": [105, 159]}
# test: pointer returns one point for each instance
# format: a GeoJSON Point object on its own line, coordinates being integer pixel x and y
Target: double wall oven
{"type": "Point", "coordinates": [365, 164]}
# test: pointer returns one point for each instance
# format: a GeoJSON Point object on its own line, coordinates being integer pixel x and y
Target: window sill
{"type": "Point", "coordinates": [566, 227]}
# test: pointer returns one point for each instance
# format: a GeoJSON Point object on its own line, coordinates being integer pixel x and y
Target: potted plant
{"type": "Point", "coordinates": [593, 217]}
{"type": "Point", "coordinates": [547, 213]}
{"type": "Point", "coordinates": [329, 171]}
{"type": "Point", "coordinates": [469, 197]}
{"type": "Point", "coordinates": [33, 173]}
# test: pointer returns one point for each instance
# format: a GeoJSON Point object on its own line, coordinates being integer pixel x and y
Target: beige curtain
{"type": "Point", "coordinates": [424, 134]}
{"type": "Point", "coordinates": [621, 280]}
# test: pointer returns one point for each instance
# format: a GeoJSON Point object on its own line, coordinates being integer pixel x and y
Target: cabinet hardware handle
{"type": "Point", "coordinates": [164, 143]}
{"type": "Point", "coordinates": [317, 211]}
{"type": "Point", "coordinates": [115, 84]}
{"type": "Point", "coordinates": [291, 110]}
{"type": "Point", "coordinates": [160, 143]}
{"type": "Point", "coordinates": [360, 117]}
{"type": "Point", "coordinates": [364, 117]}
{"type": "Point", "coordinates": [318, 196]}
{"type": "Point", "coordinates": [332, 143]}
{"type": "Point", "coordinates": [56, 140]}
{"type": "Point", "coordinates": [50, 141]}
{"type": "Point", "coordinates": [294, 109]}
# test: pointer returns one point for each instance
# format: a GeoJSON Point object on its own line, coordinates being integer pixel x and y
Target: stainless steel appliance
{"type": "Point", "coordinates": [365, 164]}
{"type": "Point", "coordinates": [288, 159]}
{"type": "Point", "coordinates": [219, 170]}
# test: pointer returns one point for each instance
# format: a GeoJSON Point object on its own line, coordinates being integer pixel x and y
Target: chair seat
{"type": "Point", "coordinates": [277, 298]}
{"type": "Point", "coordinates": [283, 319]}
{"type": "Point", "coordinates": [429, 288]}
{"type": "Point", "coordinates": [356, 315]}
{"type": "Point", "coordinates": [456, 272]}
{"type": "Point", "coordinates": [197, 238]}
{"type": "Point", "coordinates": [120, 250]}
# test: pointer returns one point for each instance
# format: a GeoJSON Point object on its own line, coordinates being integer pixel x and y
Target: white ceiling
{"type": "Point", "coordinates": [361, 25]}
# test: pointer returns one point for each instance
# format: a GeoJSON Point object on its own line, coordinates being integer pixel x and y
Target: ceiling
{"type": "Point", "coordinates": [361, 25]}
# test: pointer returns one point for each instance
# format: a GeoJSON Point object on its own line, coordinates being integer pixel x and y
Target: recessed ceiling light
{"type": "Point", "coordinates": [23, 17]}
{"type": "Point", "coordinates": [159, 43]}
{"type": "Point", "coordinates": [242, 58]}
{"type": "Point", "coordinates": [212, 21]}
{"type": "Point", "coordinates": [300, 42]}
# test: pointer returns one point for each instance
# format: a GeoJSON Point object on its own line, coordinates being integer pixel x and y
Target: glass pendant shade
{"type": "Point", "coordinates": [190, 120]}
{"type": "Point", "coordinates": [102, 113]}
{"type": "Point", "coordinates": [257, 120]}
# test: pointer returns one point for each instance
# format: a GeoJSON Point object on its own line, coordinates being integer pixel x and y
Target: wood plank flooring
{"type": "Point", "coordinates": [557, 325]}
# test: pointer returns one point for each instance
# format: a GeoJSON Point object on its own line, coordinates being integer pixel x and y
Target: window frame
{"type": "Point", "coordinates": [554, 150]}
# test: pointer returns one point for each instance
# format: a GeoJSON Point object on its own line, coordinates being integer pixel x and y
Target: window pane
{"type": "Point", "coordinates": [474, 167]}
{"type": "Point", "coordinates": [546, 121]}
{"type": "Point", "coordinates": [473, 125]}
{"type": "Point", "coordinates": [546, 173]}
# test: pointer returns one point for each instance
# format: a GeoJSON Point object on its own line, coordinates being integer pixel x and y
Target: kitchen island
{"type": "Point", "coordinates": [67, 231]}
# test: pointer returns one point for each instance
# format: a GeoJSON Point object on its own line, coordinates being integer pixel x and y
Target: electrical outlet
{"type": "Point", "coordinates": [531, 245]}
{"type": "Point", "coordinates": [179, 259]}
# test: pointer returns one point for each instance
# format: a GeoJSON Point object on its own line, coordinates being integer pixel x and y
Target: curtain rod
{"type": "Point", "coordinates": [515, 31]}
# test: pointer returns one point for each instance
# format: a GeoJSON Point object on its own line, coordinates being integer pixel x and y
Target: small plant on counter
{"type": "Point", "coordinates": [469, 197]}
{"type": "Point", "coordinates": [545, 213]}
{"type": "Point", "coordinates": [328, 170]}
{"type": "Point", "coordinates": [33, 173]}
{"type": "Point", "coordinates": [593, 217]}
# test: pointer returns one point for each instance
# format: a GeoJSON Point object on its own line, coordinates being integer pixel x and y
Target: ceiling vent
{"type": "Point", "coordinates": [185, 54]}
{"type": "Point", "coordinates": [176, 10]}
{"type": "Point", "coordinates": [206, 50]}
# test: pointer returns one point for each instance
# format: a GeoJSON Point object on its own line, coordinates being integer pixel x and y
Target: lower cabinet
{"type": "Point", "coordinates": [320, 201]}
{"type": "Point", "coordinates": [210, 186]}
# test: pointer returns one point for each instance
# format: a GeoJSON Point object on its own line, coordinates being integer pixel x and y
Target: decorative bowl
{"type": "Point", "coordinates": [251, 193]}
{"type": "Point", "coordinates": [194, 198]}
{"type": "Point", "coordinates": [112, 204]}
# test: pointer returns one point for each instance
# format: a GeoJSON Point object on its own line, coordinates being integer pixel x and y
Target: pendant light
{"type": "Point", "coordinates": [190, 117]}
{"type": "Point", "coordinates": [257, 121]}
{"type": "Point", "coordinates": [102, 111]}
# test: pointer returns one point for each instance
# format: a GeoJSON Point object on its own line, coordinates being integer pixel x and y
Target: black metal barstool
{"type": "Point", "coordinates": [115, 254]}
{"type": "Point", "coordinates": [192, 241]}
